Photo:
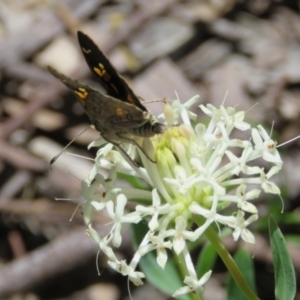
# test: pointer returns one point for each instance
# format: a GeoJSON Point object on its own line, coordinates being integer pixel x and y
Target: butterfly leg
{"type": "Point", "coordinates": [132, 141]}
{"type": "Point", "coordinates": [125, 155]}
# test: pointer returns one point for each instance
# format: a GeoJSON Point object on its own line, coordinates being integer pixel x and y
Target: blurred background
{"type": "Point", "coordinates": [250, 49]}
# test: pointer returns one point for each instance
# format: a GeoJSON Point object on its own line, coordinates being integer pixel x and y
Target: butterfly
{"type": "Point", "coordinates": [119, 114]}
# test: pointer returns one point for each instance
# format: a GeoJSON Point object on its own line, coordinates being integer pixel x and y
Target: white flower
{"type": "Point", "coordinates": [126, 270]}
{"type": "Point", "coordinates": [242, 198]}
{"type": "Point", "coordinates": [193, 285]}
{"type": "Point", "coordinates": [199, 171]}
{"type": "Point", "coordinates": [116, 212]}
{"type": "Point", "coordinates": [156, 243]}
{"type": "Point", "coordinates": [240, 227]}
{"type": "Point", "coordinates": [265, 146]}
{"type": "Point", "coordinates": [155, 210]}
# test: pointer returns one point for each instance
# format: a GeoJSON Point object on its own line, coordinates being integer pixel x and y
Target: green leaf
{"type": "Point", "coordinates": [285, 280]}
{"type": "Point", "coordinates": [206, 260]}
{"type": "Point", "coordinates": [245, 264]}
{"type": "Point", "coordinates": [166, 280]}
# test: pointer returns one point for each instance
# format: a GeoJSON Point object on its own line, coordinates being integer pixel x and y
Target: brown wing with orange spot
{"type": "Point", "coordinates": [110, 79]}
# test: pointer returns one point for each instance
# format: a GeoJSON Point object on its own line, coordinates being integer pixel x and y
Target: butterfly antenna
{"type": "Point", "coordinates": [53, 160]}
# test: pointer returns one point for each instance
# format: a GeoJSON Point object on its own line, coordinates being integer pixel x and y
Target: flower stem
{"type": "Point", "coordinates": [228, 260]}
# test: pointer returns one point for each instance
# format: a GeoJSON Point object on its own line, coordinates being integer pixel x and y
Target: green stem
{"type": "Point", "coordinates": [228, 261]}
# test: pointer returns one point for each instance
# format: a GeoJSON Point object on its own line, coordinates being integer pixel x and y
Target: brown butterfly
{"type": "Point", "coordinates": [118, 115]}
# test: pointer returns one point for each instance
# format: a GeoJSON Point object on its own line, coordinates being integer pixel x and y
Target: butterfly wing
{"type": "Point", "coordinates": [112, 82]}
{"type": "Point", "coordinates": [107, 113]}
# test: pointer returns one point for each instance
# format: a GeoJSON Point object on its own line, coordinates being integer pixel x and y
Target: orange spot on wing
{"type": "Point", "coordinates": [99, 72]}
{"type": "Point", "coordinates": [82, 94]}
{"type": "Point", "coordinates": [120, 112]}
{"type": "Point", "coordinates": [102, 73]}
{"type": "Point", "coordinates": [130, 99]}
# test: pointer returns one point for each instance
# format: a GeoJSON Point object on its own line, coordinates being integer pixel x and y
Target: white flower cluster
{"type": "Point", "coordinates": [199, 171]}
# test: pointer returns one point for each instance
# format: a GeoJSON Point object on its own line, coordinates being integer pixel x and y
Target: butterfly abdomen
{"type": "Point", "coordinates": [149, 129]}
